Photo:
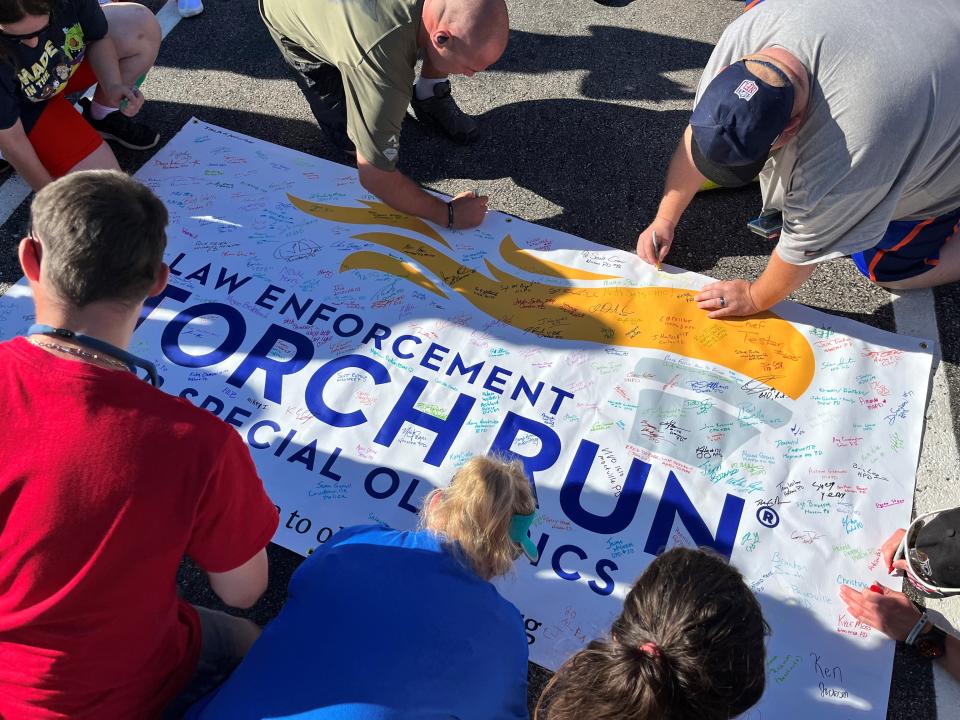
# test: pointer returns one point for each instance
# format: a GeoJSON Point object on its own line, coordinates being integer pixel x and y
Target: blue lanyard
{"type": "Point", "coordinates": [129, 359]}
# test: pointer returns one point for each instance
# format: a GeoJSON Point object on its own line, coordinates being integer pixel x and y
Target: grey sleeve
{"type": "Point", "coordinates": [831, 211]}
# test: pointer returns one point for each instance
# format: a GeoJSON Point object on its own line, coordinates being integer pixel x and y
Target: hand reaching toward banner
{"type": "Point", "coordinates": [469, 209]}
{"type": "Point", "coordinates": [893, 614]}
{"type": "Point", "coordinates": [886, 610]}
{"type": "Point", "coordinates": [728, 298]}
{"type": "Point", "coordinates": [654, 253]}
{"type": "Point", "coordinates": [889, 549]}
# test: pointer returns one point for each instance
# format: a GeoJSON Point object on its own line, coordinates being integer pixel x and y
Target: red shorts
{"type": "Point", "coordinates": [61, 137]}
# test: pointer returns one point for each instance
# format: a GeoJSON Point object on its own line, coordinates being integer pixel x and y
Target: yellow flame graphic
{"type": "Point", "coordinates": [764, 347]}
{"type": "Point", "coordinates": [375, 213]}
{"type": "Point", "coordinates": [384, 263]}
{"type": "Point", "coordinates": [523, 260]}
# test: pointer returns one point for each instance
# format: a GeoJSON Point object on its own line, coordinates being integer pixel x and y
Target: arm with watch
{"type": "Point", "coordinates": [466, 210]}
{"type": "Point", "coordinates": [899, 618]}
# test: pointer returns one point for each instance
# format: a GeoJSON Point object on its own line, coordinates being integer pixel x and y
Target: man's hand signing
{"type": "Point", "coordinates": [727, 298]}
{"type": "Point", "coordinates": [664, 229]}
{"type": "Point", "coordinates": [469, 209]}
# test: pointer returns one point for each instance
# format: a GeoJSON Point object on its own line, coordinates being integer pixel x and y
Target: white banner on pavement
{"type": "Point", "coordinates": [365, 355]}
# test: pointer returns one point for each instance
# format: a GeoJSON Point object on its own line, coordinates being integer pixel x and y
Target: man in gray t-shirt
{"type": "Point", "coordinates": [849, 112]}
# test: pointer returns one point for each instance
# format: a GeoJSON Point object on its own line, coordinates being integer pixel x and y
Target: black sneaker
{"type": "Point", "coordinates": [117, 126]}
{"type": "Point", "coordinates": [442, 112]}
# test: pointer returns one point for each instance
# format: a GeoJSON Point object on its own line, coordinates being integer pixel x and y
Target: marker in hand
{"type": "Point", "coordinates": [656, 250]}
{"type": "Point", "coordinates": [136, 90]}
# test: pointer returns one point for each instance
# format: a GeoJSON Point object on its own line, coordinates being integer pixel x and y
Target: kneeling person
{"type": "Point", "coordinates": [106, 482]}
{"type": "Point", "coordinates": [50, 49]}
{"type": "Point", "coordinates": [856, 143]}
{"type": "Point", "coordinates": [355, 63]}
{"type": "Point", "coordinates": [688, 645]}
{"type": "Point", "coordinates": [389, 625]}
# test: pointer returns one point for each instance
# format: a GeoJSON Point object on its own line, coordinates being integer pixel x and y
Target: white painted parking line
{"type": "Point", "coordinates": [14, 190]}
{"type": "Point", "coordinates": [168, 17]}
{"type": "Point", "coordinates": [939, 467]}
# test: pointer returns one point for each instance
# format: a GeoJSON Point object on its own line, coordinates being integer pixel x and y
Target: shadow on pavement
{"type": "Point", "coordinates": [621, 63]}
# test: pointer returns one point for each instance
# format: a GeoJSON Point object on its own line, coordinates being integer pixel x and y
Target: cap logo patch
{"type": "Point", "coordinates": [746, 90]}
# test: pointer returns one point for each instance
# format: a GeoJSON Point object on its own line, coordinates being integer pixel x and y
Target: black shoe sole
{"type": "Point", "coordinates": [129, 146]}
{"type": "Point", "coordinates": [428, 121]}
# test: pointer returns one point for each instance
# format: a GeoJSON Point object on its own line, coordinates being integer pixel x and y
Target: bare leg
{"type": "Point", "coordinates": [947, 271]}
{"type": "Point", "coordinates": [100, 159]}
{"type": "Point", "coordinates": [136, 35]}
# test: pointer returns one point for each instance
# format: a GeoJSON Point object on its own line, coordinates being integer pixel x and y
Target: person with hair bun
{"type": "Point", "coordinates": [689, 645]}
{"type": "Point", "coordinates": [384, 624]}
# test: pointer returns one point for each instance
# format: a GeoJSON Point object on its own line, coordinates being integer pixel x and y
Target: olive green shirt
{"type": "Point", "coordinates": [373, 43]}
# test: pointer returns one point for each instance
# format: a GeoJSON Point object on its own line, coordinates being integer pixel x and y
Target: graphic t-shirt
{"type": "Point", "coordinates": [881, 139]}
{"type": "Point", "coordinates": [29, 76]}
{"type": "Point", "coordinates": [373, 43]}
{"type": "Point", "coordinates": [382, 625]}
{"type": "Point", "coordinates": [105, 484]}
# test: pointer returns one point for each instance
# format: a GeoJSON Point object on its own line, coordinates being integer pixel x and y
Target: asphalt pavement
{"type": "Point", "coordinates": [579, 119]}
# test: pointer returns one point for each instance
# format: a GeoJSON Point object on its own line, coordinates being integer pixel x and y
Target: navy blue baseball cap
{"type": "Point", "coordinates": [737, 120]}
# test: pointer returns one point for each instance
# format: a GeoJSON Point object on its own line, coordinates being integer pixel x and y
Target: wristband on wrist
{"type": "Point", "coordinates": [931, 644]}
{"type": "Point", "coordinates": [918, 628]}
{"type": "Point", "coordinates": [450, 215]}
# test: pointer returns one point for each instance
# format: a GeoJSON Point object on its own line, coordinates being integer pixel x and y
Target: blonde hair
{"type": "Point", "coordinates": [474, 512]}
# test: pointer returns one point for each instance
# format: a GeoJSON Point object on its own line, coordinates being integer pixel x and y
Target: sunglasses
{"type": "Point", "coordinates": [918, 567]}
{"type": "Point", "coordinates": [25, 36]}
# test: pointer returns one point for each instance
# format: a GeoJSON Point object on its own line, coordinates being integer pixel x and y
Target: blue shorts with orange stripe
{"type": "Point", "coordinates": [908, 248]}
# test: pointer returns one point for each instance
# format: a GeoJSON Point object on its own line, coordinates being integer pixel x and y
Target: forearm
{"type": "Point", "coordinates": [102, 56]}
{"type": "Point", "coordinates": [777, 281]}
{"type": "Point", "coordinates": [683, 181]}
{"type": "Point", "coordinates": [401, 193]}
{"type": "Point", "coordinates": [18, 151]}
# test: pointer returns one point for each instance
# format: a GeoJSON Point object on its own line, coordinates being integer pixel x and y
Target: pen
{"type": "Point", "coordinates": [656, 250]}
{"type": "Point", "coordinates": [136, 87]}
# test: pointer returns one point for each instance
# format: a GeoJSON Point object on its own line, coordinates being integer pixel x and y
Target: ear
{"type": "Point", "coordinates": [435, 500]}
{"type": "Point", "coordinates": [162, 279]}
{"type": "Point", "coordinates": [792, 127]}
{"type": "Point", "coordinates": [441, 39]}
{"type": "Point", "coordinates": [29, 253]}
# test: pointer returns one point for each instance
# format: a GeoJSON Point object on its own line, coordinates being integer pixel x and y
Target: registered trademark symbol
{"type": "Point", "coordinates": [768, 516]}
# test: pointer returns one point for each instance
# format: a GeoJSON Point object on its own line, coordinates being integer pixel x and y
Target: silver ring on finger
{"type": "Point", "coordinates": [723, 301]}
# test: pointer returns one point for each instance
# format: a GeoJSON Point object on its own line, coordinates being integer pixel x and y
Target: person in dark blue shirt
{"type": "Point", "coordinates": [381, 624]}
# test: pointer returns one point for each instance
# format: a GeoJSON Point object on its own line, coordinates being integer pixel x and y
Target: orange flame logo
{"type": "Point", "coordinates": [764, 347]}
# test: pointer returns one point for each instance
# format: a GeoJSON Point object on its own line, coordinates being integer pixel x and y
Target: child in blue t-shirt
{"type": "Point", "coordinates": [381, 624]}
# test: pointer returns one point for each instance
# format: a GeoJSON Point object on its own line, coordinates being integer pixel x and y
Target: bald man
{"type": "Point", "coordinates": [354, 61]}
{"type": "Point", "coordinates": [849, 115]}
